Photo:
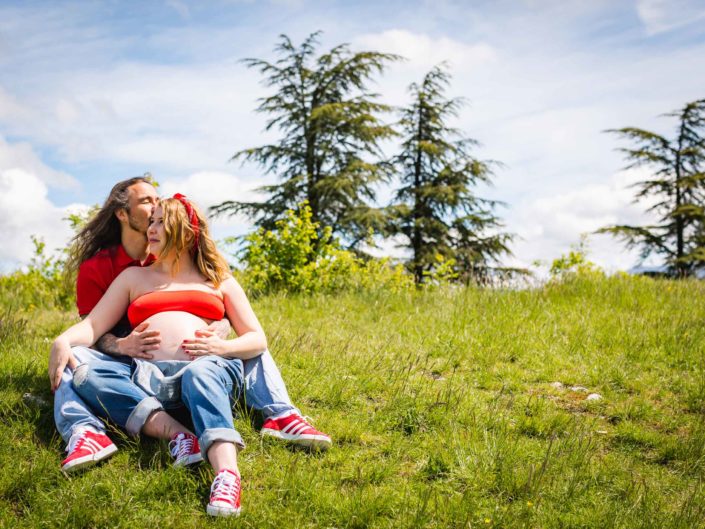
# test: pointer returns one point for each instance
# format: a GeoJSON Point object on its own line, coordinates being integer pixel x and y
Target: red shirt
{"type": "Point", "coordinates": [97, 273]}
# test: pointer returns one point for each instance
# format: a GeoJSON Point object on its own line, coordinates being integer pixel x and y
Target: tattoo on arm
{"type": "Point", "coordinates": [108, 344]}
{"type": "Point", "coordinates": [221, 328]}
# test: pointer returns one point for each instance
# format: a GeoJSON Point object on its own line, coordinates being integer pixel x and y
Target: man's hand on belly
{"type": "Point", "coordinates": [220, 328]}
{"type": "Point", "coordinates": [139, 342]}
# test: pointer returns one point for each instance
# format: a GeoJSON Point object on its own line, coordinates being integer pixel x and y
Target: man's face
{"type": "Point", "coordinates": [141, 201]}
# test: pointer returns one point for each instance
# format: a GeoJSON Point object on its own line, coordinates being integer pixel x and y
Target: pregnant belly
{"type": "Point", "coordinates": [174, 327]}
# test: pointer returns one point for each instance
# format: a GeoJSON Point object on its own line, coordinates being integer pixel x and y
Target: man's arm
{"type": "Point", "coordinates": [137, 344]}
{"type": "Point", "coordinates": [220, 328]}
{"type": "Point", "coordinates": [108, 344]}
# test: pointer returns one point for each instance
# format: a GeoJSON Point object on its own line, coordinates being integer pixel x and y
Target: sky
{"type": "Point", "coordinates": [95, 92]}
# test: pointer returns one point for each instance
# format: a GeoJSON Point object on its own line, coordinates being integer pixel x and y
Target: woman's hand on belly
{"type": "Point", "coordinates": [205, 343]}
{"type": "Point", "coordinates": [174, 327]}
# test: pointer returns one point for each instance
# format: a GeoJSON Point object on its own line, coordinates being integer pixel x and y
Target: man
{"type": "Point", "coordinates": [112, 241]}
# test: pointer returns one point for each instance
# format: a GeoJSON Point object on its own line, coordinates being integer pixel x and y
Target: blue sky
{"type": "Point", "coordinates": [91, 93]}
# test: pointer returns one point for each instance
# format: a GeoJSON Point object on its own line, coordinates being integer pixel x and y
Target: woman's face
{"type": "Point", "coordinates": [156, 234]}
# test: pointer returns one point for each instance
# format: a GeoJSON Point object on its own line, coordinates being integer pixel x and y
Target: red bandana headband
{"type": "Point", "coordinates": [192, 217]}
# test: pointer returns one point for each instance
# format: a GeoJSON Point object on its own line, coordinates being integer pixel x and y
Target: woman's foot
{"type": "Point", "coordinates": [185, 450]}
{"type": "Point", "coordinates": [225, 494]}
{"type": "Point", "coordinates": [295, 429]}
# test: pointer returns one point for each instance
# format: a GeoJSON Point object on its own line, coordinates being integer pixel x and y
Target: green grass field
{"type": "Point", "coordinates": [445, 411]}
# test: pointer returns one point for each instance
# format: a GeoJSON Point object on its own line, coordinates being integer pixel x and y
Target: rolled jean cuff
{"type": "Point", "coordinates": [141, 413]}
{"type": "Point", "coordinates": [212, 435]}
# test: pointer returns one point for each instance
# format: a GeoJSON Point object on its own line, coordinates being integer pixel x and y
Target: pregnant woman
{"type": "Point", "coordinates": [187, 287]}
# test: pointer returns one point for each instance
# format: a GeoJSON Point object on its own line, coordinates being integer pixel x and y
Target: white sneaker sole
{"type": "Point", "coordinates": [190, 460]}
{"type": "Point", "coordinates": [320, 442]}
{"type": "Point", "coordinates": [89, 460]}
{"type": "Point", "coordinates": [215, 510]}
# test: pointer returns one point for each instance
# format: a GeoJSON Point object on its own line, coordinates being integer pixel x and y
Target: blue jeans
{"type": "Point", "coordinates": [70, 412]}
{"type": "Point", "coordinates": [264, 390]}
{"type": "Point", "coordinates": [209, 385]}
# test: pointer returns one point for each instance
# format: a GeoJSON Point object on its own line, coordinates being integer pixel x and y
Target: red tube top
{"type": "Point", "coordinates": [197, 302]}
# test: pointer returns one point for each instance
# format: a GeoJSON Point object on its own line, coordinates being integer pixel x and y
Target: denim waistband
{"type": "Point", "coordinates": [161, 379]}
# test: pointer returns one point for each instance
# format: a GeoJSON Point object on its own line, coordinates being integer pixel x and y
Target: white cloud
{"type": "Point", "coordinates": [180, 7]}
{"type": "Point", "coordinates": [548, 226]}
{"type": "Point", "coordinates": [10, 108]}
{"type": "Point", "coordinates": [27, 211]}
{"type": "Point", "coordinates": [180, 118]}
{"type": "Point", "coordinates": [208, 188]}
{"type": "Point", "coordinates": [659, 16]}
{"type": "Point", "coordinates": [22, 156]}
{"type": "Point", "coordinates": [423, 51]}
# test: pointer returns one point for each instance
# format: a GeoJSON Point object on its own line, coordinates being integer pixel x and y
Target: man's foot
{"type": "Point", "coordinates": [295, 429]}
{"type": "Point", "coordinates": [225, 494]}
{"type": "Point", "coordinates": [86, 448]}
{"type": "Point", "coordinates": [185, 449]}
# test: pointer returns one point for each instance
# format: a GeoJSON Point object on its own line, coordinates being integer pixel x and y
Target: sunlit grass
{"type": "Point", "coordinates": [445, 410]}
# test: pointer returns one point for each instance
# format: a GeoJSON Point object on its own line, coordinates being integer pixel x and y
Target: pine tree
{"type": "Point", "coordinates": [328, 151]}
{"type": "Point", "coordinates": [435, 208]}
{"type": "Point", "coordinates": [678, 183]}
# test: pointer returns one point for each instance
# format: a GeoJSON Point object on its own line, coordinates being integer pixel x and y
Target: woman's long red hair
{"type": "Point", "coordinates": [180, 238]}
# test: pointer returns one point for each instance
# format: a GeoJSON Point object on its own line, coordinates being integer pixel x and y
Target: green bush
{"type": "Point", "coordinates": [294, 257]}
{"type": "Point", "coordinates": [575, 263]}
{"type": "Point", "coordinates": [42, 284]}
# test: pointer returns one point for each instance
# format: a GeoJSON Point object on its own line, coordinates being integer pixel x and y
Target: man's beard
{"type": "Point", "coordinates": [133, 224]}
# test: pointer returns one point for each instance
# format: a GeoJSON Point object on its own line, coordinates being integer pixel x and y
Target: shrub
{"type": "Point", "coordinates": [575, 263]}
{"type": "Point", "coordinates": [294, 257]}
{"type": "Point", "coordinates": [443, 272]}
{"type": "Point", "coordinates": [42, 284]}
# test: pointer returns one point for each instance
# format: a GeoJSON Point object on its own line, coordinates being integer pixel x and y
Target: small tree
{"type": "Point", "coordinates": [329, 142]}
{"type": "Point", "coordinates": [677, 182]}
{"type": "Point", "coordinates": [436, 209]}
{"type": "Point", "coordinates": [294, 258]}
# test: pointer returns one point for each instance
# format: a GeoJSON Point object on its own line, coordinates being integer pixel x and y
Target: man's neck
{"type": "Point", "coordinates": [135, 244]}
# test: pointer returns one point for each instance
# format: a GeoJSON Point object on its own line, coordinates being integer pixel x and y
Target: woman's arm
{"type": "Point", "coordinates": [250, 341]}
{"type": "Point", "coordinates": [101, 319]}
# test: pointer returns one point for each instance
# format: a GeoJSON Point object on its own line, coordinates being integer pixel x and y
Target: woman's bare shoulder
{"type": "Point", "coordinates": [132, 273]}
{"type": "Point", "coordinates": [230, 286]}
{"type": "Point", "coordinates": [137, 280]}
{"type": "Point", "coordinates": [230, 282]}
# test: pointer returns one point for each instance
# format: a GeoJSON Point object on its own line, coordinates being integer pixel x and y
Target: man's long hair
{"type": "Point", "coordinates": [103, 230]}
{"type": "Point", "coordinates": [181, 238]}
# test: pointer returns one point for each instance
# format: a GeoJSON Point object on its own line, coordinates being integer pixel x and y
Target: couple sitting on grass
{"type": "Point", "coordinates": [154, 261]}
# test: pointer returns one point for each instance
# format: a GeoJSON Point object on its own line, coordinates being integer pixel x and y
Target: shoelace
{"type": "Point", "coordinates": [226, 486]}
{"type": "Point", "coordinates": [181, 446]}
{"type": "Point", "coordinates": [76, 442]}
{"type": "Point", "coordinates": [301, 423]}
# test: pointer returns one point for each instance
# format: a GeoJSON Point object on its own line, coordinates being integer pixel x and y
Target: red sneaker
{"type": "Point", "coordinates": [86, 448]}
{"type": "Point", "coordinates": [225, 494]}
{"type": "Point", "coordinates": [297, 430]}
{"type": "Point", "coordinates": [185, 449]}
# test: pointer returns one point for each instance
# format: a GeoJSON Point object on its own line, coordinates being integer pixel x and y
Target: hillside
{"type": "Point", "coordinates": [448, 408]}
